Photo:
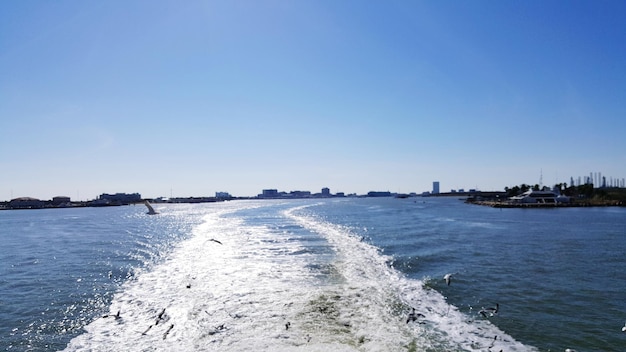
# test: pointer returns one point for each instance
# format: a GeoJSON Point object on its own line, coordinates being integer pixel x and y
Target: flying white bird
{"type": "Point", "coordinates": [151, 210]}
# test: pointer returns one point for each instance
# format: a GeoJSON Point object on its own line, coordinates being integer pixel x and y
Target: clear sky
{"type": "Point", "coordinates": [187, 98]}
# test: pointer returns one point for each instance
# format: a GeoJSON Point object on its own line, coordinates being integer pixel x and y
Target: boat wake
{"type": "Point", "coordinates": [314, 287]}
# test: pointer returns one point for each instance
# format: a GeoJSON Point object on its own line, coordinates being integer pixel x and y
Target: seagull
{"type": "Point", "coordinates": [160, 317]}
{"type": "Point", "coordinates": [494, 310]}
{"type": "Point", "coordinates": [413, 316]}
{"type": "Point", "coordinates": [447, 277]}
{"type": "Point", "coordinates": [116, 316]}
{"type": "Point", "coordinates": [148, 329]}
{"type": "Point", "coordinates": [491, 311]}
{"type": "Point", "coordinates": [151, 210]}
{"type": "Point", "coordinates": [624, 328]}
{"type": "Point", "coordinates": [168, 331]}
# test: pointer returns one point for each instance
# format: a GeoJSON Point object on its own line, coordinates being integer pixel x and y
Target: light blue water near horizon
{"type": "Point", "coordinates": [342, 273]}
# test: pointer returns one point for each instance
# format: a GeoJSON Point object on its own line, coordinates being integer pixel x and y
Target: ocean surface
{"type": "Point", "coordinates": [313, 275]}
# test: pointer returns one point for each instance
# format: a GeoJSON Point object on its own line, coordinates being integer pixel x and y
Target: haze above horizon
{"type": "Point", "coordinates": [192, 98]}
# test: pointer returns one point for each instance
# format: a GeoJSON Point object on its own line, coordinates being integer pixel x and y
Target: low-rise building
{"type": "Point", "coordinates": [269, 193]}
{"type": "Point", "coordinates": [379, 194]}
{"type": "Point", "coordinates": [223, 195]}
{"type": "Point", "coordinates": [26, 203]}
{"type": "Point", "coordinates": [120, 198]}
{"type": "Point", "coordinates": [58, 200]}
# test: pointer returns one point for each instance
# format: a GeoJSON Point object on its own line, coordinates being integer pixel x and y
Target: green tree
{"type": "Point", "coordinates": [511, 192]}
{"type": "Point", "coordinates": [585, 190]}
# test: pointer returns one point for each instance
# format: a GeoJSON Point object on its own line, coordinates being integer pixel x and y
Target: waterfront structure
{"type": "Point", "coordinates": [26, 203]}
{"type": "Point", "coordinates": [119, 198]}
{"type": "Point", "coordinates": [58, 200]}
{"type": "Point", "coordinates": [223, 195]}
{"type": "Point", "coordinates": [299, 194]}
{"type": "Point", "coordinates": [436, 187]}
{"type": "Point", "coordinates": [268, 193]}
{"type": "Point", "coordinates": [379, 194]}
{"type": "Point", "coordinates": [194, 200]}
{"type": "Point", "coordinates": [543, 197]}
{"type": "Point", "coordinates": [326, 192]}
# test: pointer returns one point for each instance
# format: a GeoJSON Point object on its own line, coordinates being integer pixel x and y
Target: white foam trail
{"type": "Point", "coordinates": [445, 327]}
{"type": "Point", "coordinates": [240, 295]}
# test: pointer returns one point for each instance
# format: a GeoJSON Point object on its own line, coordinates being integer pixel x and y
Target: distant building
{"type": "Point", "coordinates": [194, 200]}
{"type": "Point", "coordinates": [325, 192]}
{"type": "Point", "coordinates": [26, 203]}
{"type": "Point", "coordinates": [60, 200]}
{"type": "Point", "coordinates": [269, 193]}
{"type": "Point", "coordinates": [300, 194]}
{"type": "Point", "coordinates": [379, 194]}
{"type": "Point", "coordinates": [223, 195]}
{"type": "Point", "coordinates": [436, 187]}
{"type": "Point", "coordinates": [120, 198]}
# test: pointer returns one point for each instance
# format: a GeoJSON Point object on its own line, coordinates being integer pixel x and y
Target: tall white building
{"type": "Point", "coordinates": [436, 187]}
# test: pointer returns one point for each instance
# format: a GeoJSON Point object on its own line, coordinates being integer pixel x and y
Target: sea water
{"type": "Point", "coordinates": [313, 275]}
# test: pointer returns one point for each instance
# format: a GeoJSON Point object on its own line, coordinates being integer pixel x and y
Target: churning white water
{"type": "Point", "coordinates": [295, 283]}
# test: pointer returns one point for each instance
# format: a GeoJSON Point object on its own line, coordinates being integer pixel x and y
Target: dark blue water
{"type": "Point", "coordinates": [556, 273]}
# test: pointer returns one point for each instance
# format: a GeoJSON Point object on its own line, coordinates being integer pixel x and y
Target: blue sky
{"type": "Point", "coordinates": [189, 98]}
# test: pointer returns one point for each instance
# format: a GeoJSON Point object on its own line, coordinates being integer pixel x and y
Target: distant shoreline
{"type": "Point", "coordinates": [575, 204]}
{"type": "Point", "coordinates": [494, 199]}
